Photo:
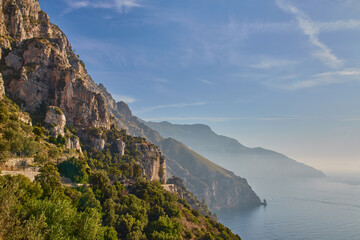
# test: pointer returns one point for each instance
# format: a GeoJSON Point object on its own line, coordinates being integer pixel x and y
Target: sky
{"type": "Point", "coordinates": [280, 74]}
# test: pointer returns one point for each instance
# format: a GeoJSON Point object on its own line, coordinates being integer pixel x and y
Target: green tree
{"type": "Point", "coordinates": [49, 178]}
{"type": "Point", "coordinates": [88, 200]}
{"type": "Point", "coordinates": [76, 169]}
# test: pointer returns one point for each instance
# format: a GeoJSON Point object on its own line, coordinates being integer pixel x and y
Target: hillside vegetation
{"type": "Point", "coordinates": [103, 207]}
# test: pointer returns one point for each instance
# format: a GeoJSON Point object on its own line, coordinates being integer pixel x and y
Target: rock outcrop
{"type": "Point", "coordinates": [2, 90]}
{"type": "Point", "coordinates": [73, 142]}
{"type": "Point", "coordinates": [153, 161]}
{"type": "Point", "coordinates": [120, 147]}
{"type": "Point", "coordinates": [14, 164]}
{"type": "Point", "coordinates": [124, 109]}
{"type": "Point", "coordinates": [55, 120]}
{"type": "Point", "coordinates": [40, 68]}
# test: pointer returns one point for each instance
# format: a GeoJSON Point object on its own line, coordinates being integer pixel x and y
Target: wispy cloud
{"type": "Point", "coordinates": [339, 25]}
{"type": "Point", "coordinates": [206, 82]}
{"type": "Point", "coordinates": [161, 80]}
{"type": "Point", "coordinates": [124, 98]}
{"type": "Point", "coordinates": [118, 5]}
{"type": "Point", "coordinates": [311, 29]}
{"type": "Point", "coordinates": [268, 63]}
{"type": "Point", "coordinates": [177, 105]}
{"type": "Point", "coordinates": [220, 43]}
{"type": "Point", "coordinates": [346, 75]}
{"type": "Point", "coordinates": [219, 119]}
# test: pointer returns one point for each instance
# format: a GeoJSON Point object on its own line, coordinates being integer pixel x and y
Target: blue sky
{"type": "Point", "coordinates": [281, 74]}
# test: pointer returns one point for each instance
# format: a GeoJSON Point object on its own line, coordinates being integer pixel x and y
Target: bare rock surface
{"type": "Point", "coordinates": [41, 69]}
{"type": "Point", "coordinates": [2, 90]}
{"type": "Point", "coordinates": [56, 120]}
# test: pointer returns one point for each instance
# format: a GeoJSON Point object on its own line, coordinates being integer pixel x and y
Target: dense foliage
{"type": "Point", "coordinates": [15, 140]}
{"type": "Point", "coordinates": [44, 209]}
{"type": "Point", "coordinates": [118, 166]}
{"type": "Point", "coordinates": [114, 201]}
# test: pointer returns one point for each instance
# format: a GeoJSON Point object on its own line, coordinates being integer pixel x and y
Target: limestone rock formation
{"type": "Point", "coordinates": [73, 142]}
{"type": "Point", "coordinates": [40, 68]}
{"type": "Point", "coordinates": [124, 109]}
{"type": "Point", "coordinates": [122, 113]}
{"type": "Point", "coordinates": [2, 90]}
{"type": "Point", "coordinates": [55, 120]}
{"type": "Point", "coordinates": [99, 143]}
{"type": "Point", "coordinates": [120, 147]}
{"type": "Point", "coordinates": [153, 161]}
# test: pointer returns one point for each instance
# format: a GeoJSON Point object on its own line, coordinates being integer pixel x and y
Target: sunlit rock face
{"type": "Point", "coordinates": [55, 120]}
{"type": "Point", "coordinates": [43, 74]}
{"type": "Point", "coordinates": [153, 161]}
{"type": "Point", "coordinates": [73, 142]}
{"type": "Point", "coordinates": [40, 69]}
{"type": "Point", "coordinates": [2, 89]}
{"type": "Point", "coordinates": [120, 147]}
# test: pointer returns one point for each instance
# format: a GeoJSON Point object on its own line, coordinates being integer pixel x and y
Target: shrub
{"type": "Point", "coordinates": [38, 131]}
{"type": "Point", "coordinates": [75, 169]}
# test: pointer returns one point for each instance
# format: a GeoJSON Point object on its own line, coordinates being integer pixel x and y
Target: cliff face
{"type": "Point", "coordinates": [219, 187]}
{"type": "Point", "coordinates": [122, 114]}
{"type": "Point", "coordinates": [40, 69]}
{"type": "Point", "coordinates": [153, 161]}
{"type": "Point", "coordinates": [2, 90]}
{"type": "Point", "coordinates": [45, 77]}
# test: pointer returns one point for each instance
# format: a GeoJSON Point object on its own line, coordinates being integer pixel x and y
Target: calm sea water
{"type": "Point", "coordinates": [321, 209]}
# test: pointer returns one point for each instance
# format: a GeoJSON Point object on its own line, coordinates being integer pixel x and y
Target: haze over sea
{"type": "Point", "coordinates": [323, 208]}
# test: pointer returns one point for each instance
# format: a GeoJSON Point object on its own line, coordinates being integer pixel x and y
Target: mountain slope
{"type": "Point", "coordinates": [217, 186]}
{"type": "Point", "coordinates": [228, 152]}
{"type": "Point", "coordinates": [121, 196]}
{"type": "Point", "coordinates": [40, 69]}
{"type": "Point", "coordinates": [101, 209]}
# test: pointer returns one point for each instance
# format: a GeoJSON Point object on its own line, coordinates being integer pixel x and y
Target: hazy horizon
{"type": "Point", "coordinates": [279, 74]}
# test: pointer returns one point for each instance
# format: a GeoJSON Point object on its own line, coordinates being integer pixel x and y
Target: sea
{"type": "Point", "coordinates": [318, 209]}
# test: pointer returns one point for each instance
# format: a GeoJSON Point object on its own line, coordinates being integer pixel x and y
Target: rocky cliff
{"type": "Point", "coordinates": [219, 187]}
{"type": "Point", "coordinates": [153, 161]}
{"type": "Point", "coordinates": [40, 69]}
{"type": "Point", "coordinates": [2, 90]}
{"type": "Point", "coordinates": [43, 75]}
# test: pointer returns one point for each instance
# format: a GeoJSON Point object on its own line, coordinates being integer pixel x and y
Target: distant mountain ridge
{"type": "Point", "coordinates": [220, 188]}
{"type": "Point", "coordinates": [229, 153]}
